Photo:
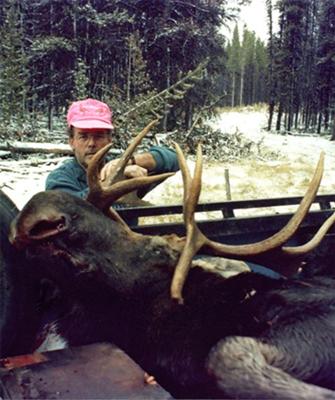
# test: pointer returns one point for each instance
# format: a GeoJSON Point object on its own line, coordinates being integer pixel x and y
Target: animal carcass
{"type": "Point", "coordinates": [247, 336]}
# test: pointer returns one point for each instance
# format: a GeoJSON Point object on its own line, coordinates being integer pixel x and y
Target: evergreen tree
{"type": "Point", "coordinates": [13, 65]}
{"type": "Point", "coordinates": [233, 64]}
{"type": "Point", "coordinates": [259, 90]}
{"type": "Point", "coordinates": [106, 49]}
{"type": "Point", "coordinates": [326, 63]}
{"type": "Point", "coordinates": [80, 80]}
{"type": "Point", "coordinates": [289, 58]}
{"type": "Point", "coordinates": [271, 83]}
{"type": "Point", "coordinates": [248, 67]}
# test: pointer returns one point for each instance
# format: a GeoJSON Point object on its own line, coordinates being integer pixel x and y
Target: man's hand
{"type": "Point", "coordinates": [131, 171]}
{"type": "Point", "coordinates": [135, 171]}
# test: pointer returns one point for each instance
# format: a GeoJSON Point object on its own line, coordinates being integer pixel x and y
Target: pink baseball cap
{"type": "Point", "coordinates": [89, 114]}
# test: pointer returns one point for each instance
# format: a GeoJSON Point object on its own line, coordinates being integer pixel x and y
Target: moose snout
{"type": "Point", "coordinates": [37, 228]}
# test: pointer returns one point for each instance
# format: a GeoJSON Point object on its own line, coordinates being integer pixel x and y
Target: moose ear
{"type": "Point", "coordinates": [38, 227]}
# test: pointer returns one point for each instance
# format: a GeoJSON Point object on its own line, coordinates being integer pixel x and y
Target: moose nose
{"type": "Point", "coordinates": [36, 228]}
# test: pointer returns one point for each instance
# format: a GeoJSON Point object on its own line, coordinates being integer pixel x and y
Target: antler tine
{"type": "Point", "coordinates": [102, 198]}
{"type": "Point", "coordinates": [196, 240]}
{"type": "Point", "coordinates": [119, 189]}
{"type": "Point", "coordinates": [185, 172]}
{"type": "Point", "coordinates": [279, 238]}
{"type": "Point", "coordinates": [194, 237]}
{"type": "Point", "coordinates": [121, 165]}
{"type": "Point", "coordinates": [314, 242]}
{"type": "Point", "coordinates": [93, 175]}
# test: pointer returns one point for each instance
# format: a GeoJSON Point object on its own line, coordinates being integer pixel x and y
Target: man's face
{"type": "Point", "coordinates": [86, 142]}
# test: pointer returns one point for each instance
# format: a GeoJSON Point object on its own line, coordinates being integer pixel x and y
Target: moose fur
{"type": "Point", "coordinates": [247, 336]}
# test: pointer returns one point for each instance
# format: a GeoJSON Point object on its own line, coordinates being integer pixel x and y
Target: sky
{"type": "Point", "coordinates": [254, 16]}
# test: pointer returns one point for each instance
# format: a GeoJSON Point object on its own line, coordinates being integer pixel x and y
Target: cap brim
{"type": "Point", "coordinates": [92, 124]}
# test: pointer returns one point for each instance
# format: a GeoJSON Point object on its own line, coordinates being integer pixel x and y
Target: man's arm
{"type": "Point", "coordinates": [165, 159]}
{"type": "Point", "coordinates": [156, 161]}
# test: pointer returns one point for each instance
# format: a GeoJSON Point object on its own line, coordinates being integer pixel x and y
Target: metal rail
{"type": "Point", "coordinates": [228, 208]}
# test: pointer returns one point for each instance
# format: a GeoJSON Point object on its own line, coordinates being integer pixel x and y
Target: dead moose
{"type": "Point", "coordinates": [204, 336]}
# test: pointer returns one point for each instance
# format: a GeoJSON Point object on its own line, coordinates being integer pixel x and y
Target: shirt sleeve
{"type": "Point", "coordinates": [62, 179]}
{"type": "Point", "coordinates": [166, 159]}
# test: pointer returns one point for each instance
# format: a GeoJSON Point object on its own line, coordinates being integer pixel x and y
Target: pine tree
{"type": "Point", "coordinates": [289, 58]}
{"type": "Point", "coordinates": [118, 49]}
{"type": "Point", "coordinates": [80, 80]}
{"type": "Point", "coordinates": [248, 56]}
{"type": "Point", "coordinates": [260, 93]}
{"type": "Point", "coordinates": [271, 83]}
{"type": "Point", "coordinates": [233, 63]}
{"type": "Point", "coordinates": [326, 63]}
{"type": "Point", "coordinates": [13, 65]}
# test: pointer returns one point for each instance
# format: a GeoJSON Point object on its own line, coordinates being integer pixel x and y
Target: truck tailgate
{"type": "Point", "coordinates": [96, 371]}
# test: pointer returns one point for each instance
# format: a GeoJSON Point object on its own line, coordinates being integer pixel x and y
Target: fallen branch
{"type": "Point", "coordinates": [33, 147]}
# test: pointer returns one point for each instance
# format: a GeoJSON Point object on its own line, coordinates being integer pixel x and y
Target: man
{"type": "Point", "coordinates": [90, 128]}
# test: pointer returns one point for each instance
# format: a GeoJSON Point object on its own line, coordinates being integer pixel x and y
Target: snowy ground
{"type": "Point", "coordinates": [286, 175]}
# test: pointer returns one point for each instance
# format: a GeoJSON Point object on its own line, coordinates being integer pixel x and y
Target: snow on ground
{"type": "Point", "coordinates": [299, 155]}
{"type": "Point", "coordinates": [286, 175]}
{"type": "Point", "coordinates": [20, 180]}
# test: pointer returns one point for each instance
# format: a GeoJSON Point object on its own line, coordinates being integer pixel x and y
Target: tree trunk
{"type": "Point", "coordinates": [129, 69]}
{"type": "Point", "coordinates": [233, 90]}
{"type": "Point", "coordinates": [333, 130]}
{"type": "Point", "coordinates": [271, 112]}
{"type": "Point", "coordinates": [279, 117]}
{"type": "Point", "coordinates": [242, 85]}
{"type": "Point", "coordinates": [168, 83]}
{"type": "Point", "coordinates": [319, 123]}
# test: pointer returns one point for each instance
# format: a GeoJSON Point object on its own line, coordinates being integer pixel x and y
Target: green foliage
{"type": "Point", "coordinates": [234, 52]}
{"type": "Point", "coordinates": [13, 66]}
{"type": "Point", "coordinates": [302, 82]}
{"type": "Point", "coordinates": [81, 80]}
{"type": "Point", "coordinates": [247, 67]}
{"type": "Point", "coordinates": [133, 54]}
{"type": "Point", "coordinates": [103, 19]}
{"type": "Point", "coordinates": [138, 78]}
{"type": "Point", "coordinates": [326, 62]}
{"type": "Point", "coordinates": [44, 46]}
{"type": "Point", "coordinates": [150, 105]}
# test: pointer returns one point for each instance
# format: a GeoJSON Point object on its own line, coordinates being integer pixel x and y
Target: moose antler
{"type": "Point", "coordinates": [196, 240]}
{"type": "Point", "coordinates": [117, 185]}
{"type": "Point", "coordinates": [312, 243]}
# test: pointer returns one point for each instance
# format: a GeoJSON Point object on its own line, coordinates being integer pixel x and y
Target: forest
{"type": "Point", "coordinates": [165, 59]}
